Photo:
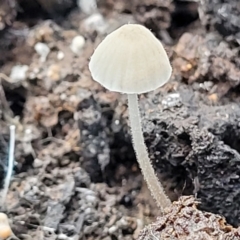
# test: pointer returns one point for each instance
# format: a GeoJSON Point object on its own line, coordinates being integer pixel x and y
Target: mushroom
{"type": "Point", "coordinates": [132, 60]}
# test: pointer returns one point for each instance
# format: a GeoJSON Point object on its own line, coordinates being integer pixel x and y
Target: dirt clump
{"type": "Point", "coordinates": [184, 221]}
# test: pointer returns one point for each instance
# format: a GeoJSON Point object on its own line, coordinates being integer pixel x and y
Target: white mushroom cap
{"type": "Point", "coordinates": [130, 60]}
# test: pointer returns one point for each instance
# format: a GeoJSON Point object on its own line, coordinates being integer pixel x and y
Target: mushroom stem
{"type": "Point", "coordinates": [142, 154]}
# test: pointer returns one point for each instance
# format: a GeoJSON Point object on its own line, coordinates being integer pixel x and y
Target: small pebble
{"type": "Point", "coordinates": [87, 6]}
{"type": "Point", "coordinates": [171, 100]}
{"type": "Point", "coordinates": [60, 55]}
{"type": "Point", "coordinates": [96, 22]}
{"type": "Point", "coordinates": [85, 191]}
{"type": "Point", "coordinates": [42, 50]}
{"type": "Point", "coordinates": [54, 72]}
{"type": "Point", "coordinates": [112, 229]}
{"type": "Point", "coordinates": [18, 73]}
{"type": "Point", "coordinates": [88, 211]}
{"type": "Point", "coordinates": [77, 44]}
{"type": "Point", "coordinates": [91, 199]}
{"type": "Point", "coordinates": [62, 236]}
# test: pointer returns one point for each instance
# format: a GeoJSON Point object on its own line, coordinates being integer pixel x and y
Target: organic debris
{"type": "Point", "coordinates": [184, 221]}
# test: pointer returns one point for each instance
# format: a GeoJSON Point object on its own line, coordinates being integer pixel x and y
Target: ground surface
{"type": "Point", "coordinates": [75, 175]}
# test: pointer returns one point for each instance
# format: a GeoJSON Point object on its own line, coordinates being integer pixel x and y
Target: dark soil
{"type": "Point", "coordinates": [75, 175]}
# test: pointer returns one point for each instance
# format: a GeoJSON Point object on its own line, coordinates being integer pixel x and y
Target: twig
{"type": "Point", "coordinates": [3, 99]}
{"type": "Point", "coordinates": [10, 164]}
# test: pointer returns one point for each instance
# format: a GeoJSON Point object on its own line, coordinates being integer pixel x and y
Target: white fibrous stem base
{"type": "Point", "coordinates": [143, 159]}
